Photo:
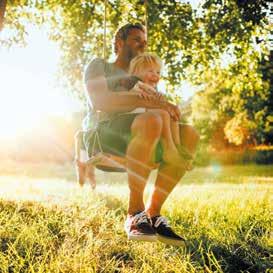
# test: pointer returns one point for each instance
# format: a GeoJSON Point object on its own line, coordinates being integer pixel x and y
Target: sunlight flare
{"type": "Point", "coordinates": [27, 91]}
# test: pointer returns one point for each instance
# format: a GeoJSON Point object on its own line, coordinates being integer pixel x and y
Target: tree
{"type": "Point", "coordinates": [234, 96]}
{"type": "Point", "coordinates": [193, 44]}
{"type": "Point", "coordinates": [266, 68]}
{"type": "Point", "coordinates": [3, 5]}
{"type": "Point", "coordinates": [77, 26]}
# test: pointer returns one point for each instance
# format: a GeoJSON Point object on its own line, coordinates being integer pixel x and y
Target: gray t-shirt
{"type": "Point", "coordinates": [117, 80]}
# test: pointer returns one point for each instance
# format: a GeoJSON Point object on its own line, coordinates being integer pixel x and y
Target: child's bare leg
{"type": "Point", "coordinates": [171, 154]}
{"type": "Point", "coordinates": [84, 171]}
{"type": "Point", "coordinates": [175, 130]}
{"type": "Point", "coordinates": [90, 175]}
{"type": "Point", "coordinates": [189, 140]}
{"type": "Point", "coordinates": [183, 151]}
{"type": "Point", "coordinates": [183, 145]}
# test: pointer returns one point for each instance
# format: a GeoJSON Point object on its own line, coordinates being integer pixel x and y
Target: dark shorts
{"type": "Point", "coordinates": [114, 136]}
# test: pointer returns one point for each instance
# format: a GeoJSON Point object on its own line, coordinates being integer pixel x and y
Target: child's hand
{"type": "Point", "coordinates": [152, 92]}
{"type": "Point", "coordinates": [147, 92]}
{"type": "Point", "coordinates": [173, 111]}
{"type": "Point", "coordinates": [161, 97]}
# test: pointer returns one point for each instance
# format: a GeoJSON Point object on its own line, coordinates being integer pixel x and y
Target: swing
{"type": "Point", "coordinates": [101, 160]}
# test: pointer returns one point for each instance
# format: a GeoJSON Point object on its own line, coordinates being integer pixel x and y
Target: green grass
{"type": "Point", "coordinates": [212, 174]}
{"type": "Point", "coordinates": [49, 224]}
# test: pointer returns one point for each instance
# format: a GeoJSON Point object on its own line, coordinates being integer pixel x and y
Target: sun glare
{"type": "Point", "coordinates": [27, 92]}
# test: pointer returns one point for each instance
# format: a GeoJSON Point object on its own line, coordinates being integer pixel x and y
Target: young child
{"type": "Point", "coordinates": [147, 67]}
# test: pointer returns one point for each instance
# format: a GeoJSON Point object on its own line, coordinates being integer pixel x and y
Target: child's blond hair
{"type": "Point", "coordinates": [143, 61]}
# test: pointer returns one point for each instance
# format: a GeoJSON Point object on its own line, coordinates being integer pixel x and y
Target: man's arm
{"type": "Point", "coordinates": [107, 101]}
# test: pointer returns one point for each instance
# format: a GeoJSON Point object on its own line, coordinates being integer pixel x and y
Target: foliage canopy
{"type": "Point", "coordinates": [221, 47]}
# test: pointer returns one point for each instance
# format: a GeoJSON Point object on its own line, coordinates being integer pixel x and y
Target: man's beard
{"type": "Point", "coordinates": [130, 54]}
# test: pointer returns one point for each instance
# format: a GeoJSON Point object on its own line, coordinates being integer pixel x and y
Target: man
{"type": "Point", "coordinates": [135, 136]}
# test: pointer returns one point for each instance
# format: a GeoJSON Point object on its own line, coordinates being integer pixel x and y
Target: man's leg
{"type": "Point", "coordinates": [83, 170]}
{"type": "Point", "coordinates": [146, 131]}
{"type": "Point", "coordinates": [90, 175]}
{"type": "Point", "coordinates": [168, 177]}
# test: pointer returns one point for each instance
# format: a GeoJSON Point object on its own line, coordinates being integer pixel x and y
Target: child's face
{"type": "Point", "coordinates": [150, 75]}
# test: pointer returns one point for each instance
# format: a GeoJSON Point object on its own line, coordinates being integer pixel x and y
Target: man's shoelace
{"type": "Point", "coordinates": [140, 218]}
{"type": "Point", "coordinates": [161, 220]}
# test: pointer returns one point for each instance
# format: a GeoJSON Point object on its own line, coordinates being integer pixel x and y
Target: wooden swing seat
{"type": "Point", "coordinates": [111, 163]}
{"type": "Point", "coordinates": [108, 163]}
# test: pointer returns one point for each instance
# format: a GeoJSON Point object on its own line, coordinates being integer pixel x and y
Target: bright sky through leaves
{"type": "Point", "coordinates": [28, 84]}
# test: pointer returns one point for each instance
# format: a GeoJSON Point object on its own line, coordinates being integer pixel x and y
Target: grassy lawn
{"type": "Point", "coordinates": [49, 224]}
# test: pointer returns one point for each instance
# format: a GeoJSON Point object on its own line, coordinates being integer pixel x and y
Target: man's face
{"type": "Point", "coordinates": [135, 43]}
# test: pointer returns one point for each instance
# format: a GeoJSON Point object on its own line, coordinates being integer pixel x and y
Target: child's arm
{"type": "Point", "coordinates": [146, 91]}
{"type": "Point", "coordinates": [175, 132]}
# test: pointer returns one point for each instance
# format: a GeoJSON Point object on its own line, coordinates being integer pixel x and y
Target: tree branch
{"type": "Point", "coordinates": [3, 4]}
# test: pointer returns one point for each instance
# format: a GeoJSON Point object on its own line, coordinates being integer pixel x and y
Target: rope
{"type": "Point", "coordinates": [146, 17]}
{"type": "Point", "coordinates": [104, 30]}
{"type": "Point", "coordinates": [95, 134]}
{"type": "Point", "coordinates": [3, 6]}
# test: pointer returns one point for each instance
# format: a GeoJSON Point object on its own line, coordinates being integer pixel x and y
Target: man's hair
{"type": "Point", "coordinates": [143, 61]}
{"type": "Point", "coordinates": [123, 32]}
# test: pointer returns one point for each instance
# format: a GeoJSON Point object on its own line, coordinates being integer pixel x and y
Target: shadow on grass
{"type": "Point", "coordinates": [234, 258]}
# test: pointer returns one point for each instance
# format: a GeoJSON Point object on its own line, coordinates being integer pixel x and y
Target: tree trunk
{"type": "Point", "coordinates": [3, 4]}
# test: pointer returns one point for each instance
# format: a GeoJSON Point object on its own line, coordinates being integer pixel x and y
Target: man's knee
{"type": "Point", "coordinates": [148, 125]}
